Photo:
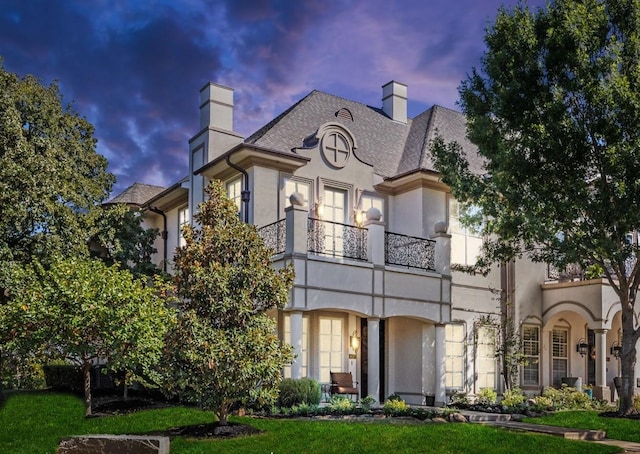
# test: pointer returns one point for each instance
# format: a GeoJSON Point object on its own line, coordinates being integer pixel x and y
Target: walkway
{"type": "Point", "coordinates": [506, 421]}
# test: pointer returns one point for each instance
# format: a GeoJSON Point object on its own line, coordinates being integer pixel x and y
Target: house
{"type": "Point", "coordinates": [348, 193]}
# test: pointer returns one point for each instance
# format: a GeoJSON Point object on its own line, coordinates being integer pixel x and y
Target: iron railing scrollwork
{"type": "Point", "coordinates": [409, 251]}
{"type": "Point", "coordinates": [336, 240]}
{"type": "Point", "coordinates": [274, 236]}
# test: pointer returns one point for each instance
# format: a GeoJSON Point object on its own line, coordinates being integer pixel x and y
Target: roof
{"type": "Point", "coordinates": [136, 194]}
{"type": "Point", "coordinates": [392, 148]}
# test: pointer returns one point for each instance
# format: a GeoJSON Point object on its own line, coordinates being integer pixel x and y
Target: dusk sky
{"type": "Point", "coordinates": [135, 68]}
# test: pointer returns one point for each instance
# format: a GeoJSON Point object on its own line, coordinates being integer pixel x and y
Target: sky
{"type": "Point", "coordinates": [134, 68]}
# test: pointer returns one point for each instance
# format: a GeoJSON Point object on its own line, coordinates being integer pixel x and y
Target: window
{"type": "Point", "coordinates": [367, 202]}
{"type": "Point", "coordinates": [485, 358]}
{"type": "Point", "coordinates": [454, 356]}
{"type": "Point", "coordinates": [531, 350]}
{"type": "Point", "coordinates": [560, 357]}
{"type": "Point", "coordinates": [335, 149]}
{"type": "Point", "coordinates": [304, 354]}
{"type": "Point", "coordinates": [234, 192]}
{"type": "Point", "coordinates": [335, 204]}
{"type": "Point", "coordinates": [331, 347]}
{"type": "Point", "coordinates": [183, 219]}
{"type": "Point", "coordinates": [292, 186]}
{"type": "Point", "coordinates": [466, 242]}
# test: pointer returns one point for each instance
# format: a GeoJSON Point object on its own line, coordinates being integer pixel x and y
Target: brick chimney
{"type": "Point", "coordinates": [394, 101]}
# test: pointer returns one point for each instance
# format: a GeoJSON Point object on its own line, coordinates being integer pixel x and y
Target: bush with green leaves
{"type": "Point", "coordinates": [21, 372]}
{"type": "Point", "coordinates": [486, 396]}
{"type": "Point", "coordinates": [460, 399]}
{"type": "Point", "coordinates": [296, 392]}
{"type": "Point", "coordinates": [569, 398]}
{"type": "Point", "coordinates": [395, 407]}
{"type": "Point", "coordinates": [513, 398]}
{"type": "Point", "coordinates": [341, 404]}
{"type": "Point", "coordinates": [366, 402]}
{"type": "Point", "coordinates": [636, 402]}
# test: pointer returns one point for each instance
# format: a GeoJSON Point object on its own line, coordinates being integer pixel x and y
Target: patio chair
{"type": "Point", "coordinates": [342, 383]}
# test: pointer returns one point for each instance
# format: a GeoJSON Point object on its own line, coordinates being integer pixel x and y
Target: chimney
{"type": "Point", "coordinates": [216, 107]}
{"type": "Point", "coordinates": [394, 101]}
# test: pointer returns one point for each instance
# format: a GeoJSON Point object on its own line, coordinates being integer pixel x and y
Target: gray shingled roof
{"type": "Point", "coordinates": [137, 194]}
{"type": "Point", "coordinates": [391, 147]}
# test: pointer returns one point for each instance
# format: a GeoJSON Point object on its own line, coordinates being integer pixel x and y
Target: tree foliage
{"type": "Point", "coordinates": [51, 178]}
{"type": "Point", "coordinates": [121, 238]}
{"type": "Point", "coordinates": [82, 310]}
{"type": "Point", "coordinates": [225, 350]}
{"type": "Point", "coordinates": [554, 113]}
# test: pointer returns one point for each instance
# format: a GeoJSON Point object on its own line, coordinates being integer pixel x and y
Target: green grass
{"type": "Point", "coordinates": [35, 422]}
{"type": "Point", "coordinates": [616, 428]}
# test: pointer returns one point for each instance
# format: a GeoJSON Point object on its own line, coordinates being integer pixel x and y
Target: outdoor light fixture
{"type": "Point", "coordinates": [359, 217]}
{"type": "Point", "coordinates": [582, 347]}
{"type": "Point", "coordinates": [320, 208]}
{"type": "Point", "coordinates": [355, 341]}
{"type": "Point", "coordinates": [616, 349]}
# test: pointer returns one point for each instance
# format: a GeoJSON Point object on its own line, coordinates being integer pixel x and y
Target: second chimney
{"type": "Point", "coordinates": [394, 101]}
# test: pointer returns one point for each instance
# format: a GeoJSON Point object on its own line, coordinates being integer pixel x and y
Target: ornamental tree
{"type": "Point", "coordinates": [83, 310]}
{"type": "Point", "coordinates": [553, 111]}
{"type": "Point", "coordinates": [224, 350]}
{"type": "Point", "coordinates": [51, 178]}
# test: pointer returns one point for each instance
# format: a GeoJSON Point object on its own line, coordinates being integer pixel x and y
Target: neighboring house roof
{"type": "Point", "coordinates": [136, 194]}
{"type": "Point", "coordinates": [392, 148]}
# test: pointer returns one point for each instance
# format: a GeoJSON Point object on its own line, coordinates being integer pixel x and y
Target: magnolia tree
{"type": "Point", "coordinates": [224, 350]}
{"type": "Point", "coordinates": [553, 111]}
{"type": "Point", "coordinates": [83, 310]}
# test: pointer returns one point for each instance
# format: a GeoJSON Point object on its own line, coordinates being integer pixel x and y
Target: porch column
{"type": "Point", "coordinates": [295, 319]}
{"type": "Point", "coordinates": [373, 357]}
{"type": "Point", "coordinates": [296, 226]}
{"type": "Point", "coordinates": [375, 238]}
{"type": "Point", "coordinates": [440, 391]}
{"type": "Point", "coordinates": [442, 251]}
{"type": "Point", "coordinates": [601, 390]}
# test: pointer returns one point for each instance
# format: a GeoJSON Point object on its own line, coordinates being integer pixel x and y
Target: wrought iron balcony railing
{"type": "Point", "coordinates": [336, 240]}
{"type": "Point", "coordinates": [409, 251]}
{"type": "Point", "coordinates": [274, 236]}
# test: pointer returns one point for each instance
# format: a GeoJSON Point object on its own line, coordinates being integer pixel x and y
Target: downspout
{"type": "Point", "coordinates": [245, 194]}
{"type": "Point", "coordinates": [164, 236]}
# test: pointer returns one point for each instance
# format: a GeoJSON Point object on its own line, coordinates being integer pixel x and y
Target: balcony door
{"type": "Point", "coordinates": [335, 210]}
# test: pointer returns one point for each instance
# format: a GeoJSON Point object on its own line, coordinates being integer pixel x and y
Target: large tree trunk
{"type": "Point", "coordinates": [86, 374]}
{"type": "Point", "coordinates": [627, 359]}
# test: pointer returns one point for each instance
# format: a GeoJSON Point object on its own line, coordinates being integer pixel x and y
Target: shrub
{"type": "Point", "coordinates": [367, 402]}
{"type": "Point", "coordinates": [394, 396]}
{"type": "Point", "coordinates": [487, 396]}
{"type": "Point", "coordinates": [341, 404]}
{"type": "Point", "coordinates": [568, 398]}
{"type": "Point", "coordinates": [542, 403]}
{"type": "Point", "coordinates": [513, 398]}
{"type": "Point", "coordinates": [395, 407]}
{"type": "Point", "coordinates": [64, 377]}
{"type": "Point", "coordinates": [460, 399]}
{"type": "Point", "coordinates": [636, 402]}
{"type": "Point", "coordinates": [19, 372]}
{"type": "Point", "coordinates": [297, 392]}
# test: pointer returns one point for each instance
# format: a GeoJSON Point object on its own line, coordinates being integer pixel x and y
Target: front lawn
{"type": "Point", "coordinates": [616, 428]}
{"type": "Point", "coordinates": [35, 422]}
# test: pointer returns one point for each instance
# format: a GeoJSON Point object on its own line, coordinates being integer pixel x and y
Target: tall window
{"type": "Point", "coordinates": [466, 242]}
{"type": "Point", "coordinates": [234, 192]}
{"type": "Point", "coordinates": [331, 347]}
{"type": "Point", "coordinates": [304, 354]}
{"type": "Point", "coordinates": [292, 186]}
{"type": "Point", "coordinates": [335, 204]}
{"type": "Point", "coordinates": [560, 358]}
{"type": "Point", "coordinates": [183, 219]}
{"type": "Point", "coordinates": [531, 350]}
{"type": "Point", "coordinates": [485, 357]}
{"type": "Point", "coordinates": [454, 356]}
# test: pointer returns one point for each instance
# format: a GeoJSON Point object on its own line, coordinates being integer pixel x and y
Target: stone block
{"type": "Point", "coordinates": [114, 444]}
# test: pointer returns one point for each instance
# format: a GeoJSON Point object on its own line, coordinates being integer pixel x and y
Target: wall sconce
{"type": "Point", "coordinates": [582, 347]}
{"type": "Point", "coordinates": [616, 349]}
{"type": "Point", "coordinates": [354, 340]}
{"type": "Point", "coordinates": [320, 209]}
{"type": "Point", "coordinates": [359, 217]}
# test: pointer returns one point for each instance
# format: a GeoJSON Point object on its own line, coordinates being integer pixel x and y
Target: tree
{"type": "Point", "coordinates": [553, 111]}
{"type": "Point", "coordinates": [122, 239]}
{"type": "Point", "coordinates": [225, 350]}
{"type": "Point", "coordinates": [51, 178]}
{"type": "Point", "coordinates": [83, 310]}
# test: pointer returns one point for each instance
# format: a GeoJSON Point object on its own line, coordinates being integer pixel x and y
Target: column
{"type": "Point", "coordinates": [375, 238]}
{"type": "Point", "coordinates": [296, 227]}
{"type": "Point", "coordinates": [295, 320]}
{"type": "Point", "coordinates": [601, 390]}
{"type": "Point", "coordinates": [373, 357]}
{"type": "Point", "coordinates": [440, 391]}
{"type": "Point", "coordinates": [442, 251]}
